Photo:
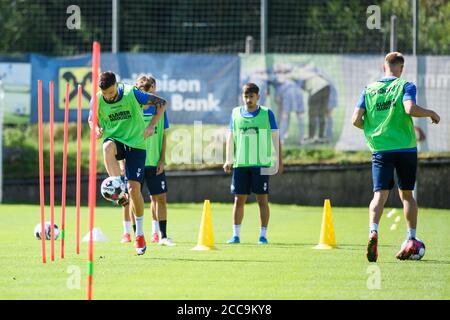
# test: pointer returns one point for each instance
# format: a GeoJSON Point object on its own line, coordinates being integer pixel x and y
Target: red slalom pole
{"type": "Point", "coordinates": [93, 163]}
{"type": "Point", "coordinates": [78, 169]}
{"type": "Point", "coordinates": [52, 170]}
{"type": "Point", "coordinates": [64, 173]}
{"type": "Point", "coordinates": [41, 171]}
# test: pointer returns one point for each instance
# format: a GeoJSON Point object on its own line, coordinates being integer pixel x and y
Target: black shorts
{"type": "Point", "coordinates": [156, 184]}
{"type": "Point", "coordinates": [246, 180]}
{"type": "Point", "coordinates": [384, 164]}
{"type": "Point", "coordinates": [134, 160]}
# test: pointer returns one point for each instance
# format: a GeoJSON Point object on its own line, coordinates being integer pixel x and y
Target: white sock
{"type": "Point", "coordinates": [126, 226]}
{"type": "Point", "coordinates": [236, 230]}
{"type": "Point", "coordinates": [411, 233]}
{"type": "Point", "coordinates": [140, 226]}
{"type": "Point", "coordinates": [262, 232]}
{"type": "Point", "coordinates": [155, 226]}
{"type": "Point", "coordinates": [373, 227]}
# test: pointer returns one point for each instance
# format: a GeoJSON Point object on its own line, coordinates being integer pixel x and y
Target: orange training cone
{"type": "Point", "coordinates": [205, 236]}
{"type": "Point", "coordinates": [327, 238]}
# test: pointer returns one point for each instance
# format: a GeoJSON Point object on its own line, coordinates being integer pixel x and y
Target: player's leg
{"type": "Point", "coordinates": [161, 210]}
{"type": "Point", "coordinates": [240, 187]}
{"type": "Point", "coordinates": [324, 97]}
{"type": "Point", "coordinates": [312, 116]}
{"type": "Point", "coordinates": [284, 125]}
{"type": "Point", "coordinates": [301, 127]}
{"type": "Point", "coordinates": [383, 182]}
{"type": "Point", "coordinates": [126, 221]}
{"type": "Point", "coordinates": [260, 186]}
{"type": "Point", "coordinates": [135, 166]}
{"type": "Point", "coordinates": [406, 167]}
{"type": "Point", "coordinates": [155, 223]}
{"type": "Point", "coordinates": [110, 154]}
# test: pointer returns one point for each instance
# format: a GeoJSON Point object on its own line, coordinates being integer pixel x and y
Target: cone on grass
{"type": "Point", "coordinates": [327, 238]}
{"type": "Point", "coordinates": [205, 236]}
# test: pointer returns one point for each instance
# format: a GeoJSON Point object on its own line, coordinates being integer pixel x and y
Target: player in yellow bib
{"type": "Point", "coordinates": [385, 112]}
{"type": "Point", "coordinates": [124, 132]}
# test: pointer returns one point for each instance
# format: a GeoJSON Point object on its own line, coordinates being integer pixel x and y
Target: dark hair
{"type": "Point", "coordinates": [107, 79]}
{"type": "Point", "coordinates": [394, 58]}
{"type": "Point", "coordinates": [145, 82]}
{"type": "Point", "coordinates": [250, 88]}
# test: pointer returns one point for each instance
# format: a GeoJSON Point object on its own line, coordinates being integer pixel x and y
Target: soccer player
{"type": "Point", "coordinates": [122, 127]}
{"type": "Point", "coordinates": [253, 128]}
{"type": "Point", "coordinates": [155, 176]}
{"type": "Point", "coordinates": [384, 111]}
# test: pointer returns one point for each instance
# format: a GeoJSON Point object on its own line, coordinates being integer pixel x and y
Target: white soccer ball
{"type": "Point", "coordinates": [47, 224]}
{"type": "Point", "coordinates": [113, 189]}
{"type": "Point", "coordinates": [419, 249]}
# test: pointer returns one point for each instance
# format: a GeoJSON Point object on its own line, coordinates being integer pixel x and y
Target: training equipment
{"type": "Point", "coordinates": [47, 230]}
{"type": "Point", "coordinates": [64, 173]}
{"type": "Point", "coordinates": [416, 249]}
{"type": "Point", "coordinates": [327, 238]}
{"type": "Point", "coordinates": [205, 235]}
{"type": "Point", "coordinates": [97, 236]}
{"type": "Point", "coordinates": [113, 189]}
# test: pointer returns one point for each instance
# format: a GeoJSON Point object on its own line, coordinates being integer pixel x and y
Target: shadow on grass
{"type": "Point", "coordinates": [217, 260]}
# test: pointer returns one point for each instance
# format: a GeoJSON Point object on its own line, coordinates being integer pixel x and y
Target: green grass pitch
{"type": "Point", "coordinates": [288, 268]}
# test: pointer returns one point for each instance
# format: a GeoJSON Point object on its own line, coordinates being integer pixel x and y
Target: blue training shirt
{"type": "Point", "coordinates": [152, 110]}
{"type": "Point", "coordinates": [410, 93]}
{"type": "Point", "coordinates": [247, 114]}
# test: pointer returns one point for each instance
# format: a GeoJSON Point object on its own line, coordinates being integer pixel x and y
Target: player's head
{"type": "Point", "coordinates": [250, 94]}
{"type": "Point", "coordinates": [108, 84]}
{"type": "Point", "coordinates": [146, 83]}
{"type": "Point", "coordinates": [394, 63]}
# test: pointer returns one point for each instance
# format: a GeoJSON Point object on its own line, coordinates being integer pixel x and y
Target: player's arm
{"type": "Point", "coordinates": [150, 99]}
{"type": "Point", "coordinates": [229, 152]}
{"type": "Point", "coordinates": [360, 110]}
{"type": "Point", "coordinates": [358, 118]}
{"type": "Point", "coordinates": [277, 144]}
{"type": "Point", "coordinates": [98, 129]}
{"type": "Point", "coordinates": [414, 110]}
{"type": "Point", "coordinates": [276, 141]}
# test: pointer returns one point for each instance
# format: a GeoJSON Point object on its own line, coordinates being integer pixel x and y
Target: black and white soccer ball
{"type": "Point", "coordinates": [417, 247]}
{"type": "Point", "coordinates": [47, 224]}
{"type": "Point", "coordinates": [113, 189]}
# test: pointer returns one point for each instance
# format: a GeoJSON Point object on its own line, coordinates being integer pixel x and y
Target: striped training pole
{"type": "Point", "coordinates": [41, 171]}
{"type": "Point", "coordinates": [93, 163]}
{"type": "Point", "coordinates": [52, 171]}
{"type": "Point", "coordinates": [78, 170]}
{"type": "Point", "coordinates": [64, 173]}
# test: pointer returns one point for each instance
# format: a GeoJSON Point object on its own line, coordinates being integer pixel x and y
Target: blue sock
{"type": "Point", "coordinates": [411, 234]}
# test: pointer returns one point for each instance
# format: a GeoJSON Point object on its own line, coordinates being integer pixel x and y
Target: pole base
{"type": "Point", "coordinates": [201, 247]}
{"type": "Point", "coordinates": [322, 246]}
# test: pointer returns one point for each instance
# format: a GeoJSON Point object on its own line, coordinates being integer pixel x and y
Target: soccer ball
{"type": "Point", "coordinates": [47, 230]}
{"type": "Point", "coordinates": [113, 189]}
{"type": "Point", "coordinates": [418, 249]}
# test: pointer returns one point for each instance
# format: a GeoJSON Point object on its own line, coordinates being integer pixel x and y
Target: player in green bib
{"type": "Point", "coordinates": [385, 112]}
{"type": "Point", "coordinates": [253, 129]}
{"type": "Point", "coordinates": [154, 171]}
{"type": "Point", "coordinates": [123, 129]}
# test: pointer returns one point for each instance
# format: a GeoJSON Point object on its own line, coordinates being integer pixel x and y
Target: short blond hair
{"type": "Point", "coordinates": [394, 59]}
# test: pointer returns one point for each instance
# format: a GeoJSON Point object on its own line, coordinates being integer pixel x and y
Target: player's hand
{"type": "Point", "coordinates": [227, 167]}
{"type": "Point", "coordinates": [99, 132]}
{"type": "Point", "coordinates": [160, 167]}
{"type": "Point", "coordinates": [149, 130]}
{"type": "Point", "coordinates": [435, 118]}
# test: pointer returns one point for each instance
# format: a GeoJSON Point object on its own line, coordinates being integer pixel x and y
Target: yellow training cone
{"type": "Point", "coordinates": [327, 239]}
{"type": "Point", "coordinates": [205, 236]}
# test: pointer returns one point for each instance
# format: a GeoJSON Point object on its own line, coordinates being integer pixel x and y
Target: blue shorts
{"type": "Point", "coordinates": [246, 180]}
{"type": "Point", "coordinates": [134, 160]}
{"type": "Point", "coordinates": [383, 165]}
{"type": "Point", "coordinates": [156, 184]}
